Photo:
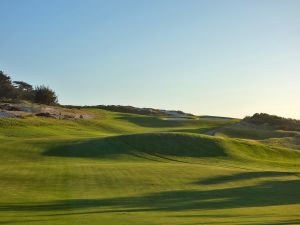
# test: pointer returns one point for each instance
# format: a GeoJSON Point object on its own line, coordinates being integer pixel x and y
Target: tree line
{"type": "Point", "coordinates": [20, 90]}
{"type": "Point", "coordinates": [276, 122]}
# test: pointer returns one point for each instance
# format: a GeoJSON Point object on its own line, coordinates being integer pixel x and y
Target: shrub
{"type": "Point", "coordinates": [274, 121]}
{"type": "Point", "coordinates": [45, 95]}
{"type": "Point", "coordinates": [23, 90]}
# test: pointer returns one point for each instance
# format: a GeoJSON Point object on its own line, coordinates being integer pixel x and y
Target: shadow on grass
{"type": "Point", "coordinates": [268, 193]}
{"type": "Point", "coordinates": [151, 122]}
{"type": "Point", "coordinates": [156, 122]}
{"type": "Point", "coordinates": [288, 221]}
{"type": "Point", "coordinates": [21, 221]}
{"type": "Point", "coordinates": [202, 130]}
{"type": "Point", "coordinates": [139, 145]}
{"type": "Point", "coordinates": [243, 176]}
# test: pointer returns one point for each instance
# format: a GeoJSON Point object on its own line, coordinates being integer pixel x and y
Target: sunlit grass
{"type": "Point", "coordinates": [129, 169]}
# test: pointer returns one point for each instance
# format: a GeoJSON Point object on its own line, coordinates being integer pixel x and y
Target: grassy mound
{"type": "Point", "coordinates": [156, 144]}
{"type": "Point", "coordinates": [181, 147]}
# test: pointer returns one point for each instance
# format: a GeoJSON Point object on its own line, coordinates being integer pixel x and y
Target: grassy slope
{"type": "Point", "coordinates": [264, 134]}
{"type": "Point", "coordinates": [129, 169]}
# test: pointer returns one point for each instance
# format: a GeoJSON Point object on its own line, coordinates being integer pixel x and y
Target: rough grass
{"type": "Point", "coordinates": [127, 169]}
{"type": "Point", "coordinates": [263, 134]}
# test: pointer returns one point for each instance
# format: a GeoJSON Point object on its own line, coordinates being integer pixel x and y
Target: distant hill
{"type": "Point", "coordinates": [136, 110]}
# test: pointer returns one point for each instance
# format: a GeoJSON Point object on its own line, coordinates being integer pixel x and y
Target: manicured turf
{"type": "Point", "coordinates": [121, 169]}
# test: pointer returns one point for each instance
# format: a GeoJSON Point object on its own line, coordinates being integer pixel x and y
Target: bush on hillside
{"type": "Point", "coordinates": [23, 90]}
{"type": "Point", "coordinates": [45, 95]}
{"type": "Point", "coordinates": [276, 122]}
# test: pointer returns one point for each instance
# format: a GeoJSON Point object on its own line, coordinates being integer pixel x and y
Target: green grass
{"type": "Point", "coordinates": [121, 169]}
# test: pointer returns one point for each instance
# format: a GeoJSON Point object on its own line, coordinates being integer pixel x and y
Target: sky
{"type": "Point", "coordinates": [224, 58]}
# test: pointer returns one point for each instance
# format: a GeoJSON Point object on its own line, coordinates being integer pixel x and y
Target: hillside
{"type": "Point", "coordinates": [122, 168]}
{"type": "Point", "coordinates": [277, 122]}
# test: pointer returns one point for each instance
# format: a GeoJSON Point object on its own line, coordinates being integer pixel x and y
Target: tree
{"type": "Point", "coordinates": [6, 87]}
{"type": "Point", "coordinates": [20, 90]}
{"type": "Point", "coordinates": [45, 95]}
{"type": "Point", "coordinates": [23, 90]}
{"type": "Point", "coordinates": [23, 86]}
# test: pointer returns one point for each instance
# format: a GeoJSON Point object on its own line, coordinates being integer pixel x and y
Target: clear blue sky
{"type": "Point", "coordinates": [228, 58]}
